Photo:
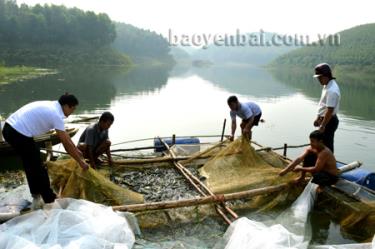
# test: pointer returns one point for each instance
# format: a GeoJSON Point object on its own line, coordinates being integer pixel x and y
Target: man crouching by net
{"type": "Point", "coordinates": [94, 141]}
{"type": "Point", "coordinates": [317, 160]}
{"type": "Point", "coordinates": [249, 112]}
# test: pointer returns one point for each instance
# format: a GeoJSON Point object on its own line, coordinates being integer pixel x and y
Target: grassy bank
{"type": "Point", "coordinates": [19, 73]}
{"type": "Point", "coordinates": [59, 56]}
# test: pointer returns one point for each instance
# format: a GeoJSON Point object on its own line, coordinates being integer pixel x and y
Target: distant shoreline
{"type": "Point", "coordinates": [20, 73]}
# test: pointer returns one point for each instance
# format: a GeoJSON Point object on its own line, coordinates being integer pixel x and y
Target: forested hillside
{"type": "Point", "coordinates": [53, 36]}
{"type": "Point", "coordinates": [256, 54]}
{"type": "Point", "coordinates": [41, 25]}
{"type": "Point", "coordinates": [140, 44]}
{"type": "Point", "coordinates": [356, 49]}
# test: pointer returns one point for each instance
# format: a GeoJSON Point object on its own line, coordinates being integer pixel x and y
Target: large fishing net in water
{"type": "Point", "coordinates": [69, 180]}
{"type": "Point", "coordinates": [237, 166]}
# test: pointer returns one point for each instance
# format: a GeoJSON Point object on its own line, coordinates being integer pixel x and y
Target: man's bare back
{"type": "Point", "coordinates": [326, 161]}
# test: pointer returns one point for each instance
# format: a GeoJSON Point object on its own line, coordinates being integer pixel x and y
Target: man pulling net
{"type": "Point", "coordinates": [32, 120]}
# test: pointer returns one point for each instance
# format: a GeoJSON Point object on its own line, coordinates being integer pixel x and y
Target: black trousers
{"type": "Point", "coordinates": [36, 173]}
{"type": "Point", "coordinates": [329, 133]}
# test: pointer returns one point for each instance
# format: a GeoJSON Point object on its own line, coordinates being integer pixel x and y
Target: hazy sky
{"type": "Point", "coordinates": [205, 16]}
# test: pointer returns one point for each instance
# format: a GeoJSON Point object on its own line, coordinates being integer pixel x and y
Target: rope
{"type": "Point", "coordinates": [152, 138]}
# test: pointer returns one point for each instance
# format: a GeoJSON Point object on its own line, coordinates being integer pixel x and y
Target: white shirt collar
{"type": "Point", "coordinates": [329, 83]}
{"type": "Point", "coordinates": [60, 110]}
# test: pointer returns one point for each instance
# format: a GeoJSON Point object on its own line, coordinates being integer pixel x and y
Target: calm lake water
{"type": "Point", "coordinates": [155, 101]}
{"type": "Point", "coordinates": [149, 102]}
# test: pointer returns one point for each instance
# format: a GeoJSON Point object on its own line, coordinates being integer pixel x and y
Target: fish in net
{"type": "Point", "coordinates": [70, 180]}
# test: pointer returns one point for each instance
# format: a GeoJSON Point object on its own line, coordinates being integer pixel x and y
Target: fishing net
{"type": "Point", "coordinates": [239, 167]}
{"type": "Point", "coordinates": [69, 180]}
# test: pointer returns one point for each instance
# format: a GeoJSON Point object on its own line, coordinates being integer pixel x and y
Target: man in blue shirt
{"type": "Point", "coordinates": [249, 112]}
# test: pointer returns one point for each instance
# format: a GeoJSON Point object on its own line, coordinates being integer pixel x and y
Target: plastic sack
{"type": "Point", "coordinates": [71, 181]}
{"type": "Point", "coordinates": [288, 231]}
{"type": "Point", "coordinates": [68, 224]}
{"type": "Point", "coordinates": [13, 201]}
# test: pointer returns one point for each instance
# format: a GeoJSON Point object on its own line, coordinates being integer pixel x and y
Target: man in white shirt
{"type": "Point", "coordinates": [35, 119]}
{"type": "Point", "coordinates": [249, 112]}
{"type": "Point", "coordinates": [329, 104]}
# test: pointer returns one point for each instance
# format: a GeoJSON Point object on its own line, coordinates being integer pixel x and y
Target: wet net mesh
{"type": "Point", "coordinates": [239, 167]}
{"type": "Point", "coordinates": [69, 180]}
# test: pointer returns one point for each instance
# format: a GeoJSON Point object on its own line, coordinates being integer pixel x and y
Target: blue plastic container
{"type": "Point", "coordinates": [159, 147]}
{"type": "Point", "coordinates": [361, 177]}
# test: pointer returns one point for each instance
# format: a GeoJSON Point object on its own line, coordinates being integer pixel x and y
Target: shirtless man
{"type": "Point", "coordinates": [317, 160]}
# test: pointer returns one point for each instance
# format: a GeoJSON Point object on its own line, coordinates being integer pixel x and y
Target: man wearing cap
{"type": "Point", "coordinates": [329, 103]}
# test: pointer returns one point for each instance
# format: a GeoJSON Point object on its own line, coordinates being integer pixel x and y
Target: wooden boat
{"type": "Point", "coordinates": [44, 141]}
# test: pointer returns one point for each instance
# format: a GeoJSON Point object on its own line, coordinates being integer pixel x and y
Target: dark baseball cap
{"type": "Point", "coordinates": [323, 69]}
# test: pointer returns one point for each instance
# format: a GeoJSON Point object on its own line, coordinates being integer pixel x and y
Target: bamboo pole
{"type": "Point", "coordinates": [216, 199]}
{"type": "Point", "coordinates": [184, 159]}
{"type": "Point", "coordinates": [47, 150]}
{"type": "Point", "coordinates": [262, 148]}
{"type": "Point", "coordinates": [152, 138]}
{"type": "Point", "coordinates": [192, 178]}
{"type": "Point", "coordinates": [285, 149]}
{"type": "Point", "coordinates": [146, 161]}
{"type": "Point", "coordinates": [147, 147]}
{"type": "Point", "coordinates": [223, 131]}
{"type": "Point", "coordinates": [173, 139]}
{"type": "Point", "coordinates": [84, 120]}
{"type": "Point", "coordinates": [135, 148]}
{"type": "Point", "coordinates": [180, 168]}
{"type": "Point", "coordinates": [194, 157]}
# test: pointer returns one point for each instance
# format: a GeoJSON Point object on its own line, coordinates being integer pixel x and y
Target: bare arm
{"type": "Point", "coordinates": [293, 164]}
{"type": "Point", "coordinates": [319, 165]}
{"type": "Point", "coordinates": [234, 127]}
{"type": "Point", "coordinates": [110, 160]}
{"type": "Point", "coordinates": [91, 156]}
{"type": "Point", "coordinates": [327, 116]}
{"type": "Point", "coordinates": [249, 124]}
{"type": "Point", "coordinates": [71, 148]}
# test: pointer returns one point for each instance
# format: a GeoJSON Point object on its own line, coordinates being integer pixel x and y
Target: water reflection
{"type": "Point", "coordinates": [95, 88]}
{"type": "Point", "coordinates": [140, 80]}
{"type": "Point", "coordinates": [148, 101]}
{"type": "Point", "coordinates": [245, 80]}
{"type": "Point", "coordinates": [357, 95]}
